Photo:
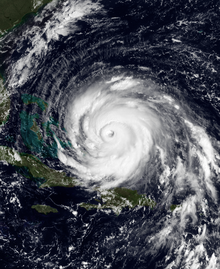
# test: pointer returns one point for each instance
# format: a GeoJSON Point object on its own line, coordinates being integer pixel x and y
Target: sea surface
{"type": "Point", "coordinates": [110, 95]}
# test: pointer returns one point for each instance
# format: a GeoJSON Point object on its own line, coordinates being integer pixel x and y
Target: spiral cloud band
{"type": "Point", "coordinates": [115, 96]}
{"type": "Point", "coordinates": [112, 133]}
{"type": "Point", "coordinates": [120, 129]}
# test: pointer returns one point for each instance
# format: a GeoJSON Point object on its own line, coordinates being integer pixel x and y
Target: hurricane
{"type": "Point", "coordinates": [112, 132]}
{"type": "Point", "coordinates": [114, 122]}
{"type": "Point", "coordinates": [120, 127]}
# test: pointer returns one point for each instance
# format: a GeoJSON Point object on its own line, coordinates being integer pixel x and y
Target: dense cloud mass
{"type": "Point", "coordinates": [112, 131]}
{"type": "Point", "coordinates": [126, 95]}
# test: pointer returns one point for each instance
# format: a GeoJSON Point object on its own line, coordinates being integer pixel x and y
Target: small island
{"type": "Point", "coordinates": [44, 209]}
{"type": "Point", "coordinates": [173, 207]}
{"type": "Point", "coordinates": [30, 99]}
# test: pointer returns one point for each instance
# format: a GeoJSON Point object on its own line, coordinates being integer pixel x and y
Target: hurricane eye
{"type": "Point", "coordinates": [111, 133]}
{"type": "Point", "coordinates": [110, 106]}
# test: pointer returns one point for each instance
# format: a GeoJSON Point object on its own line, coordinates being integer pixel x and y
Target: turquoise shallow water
{"type": "Point", "coordinates": [112, 94]}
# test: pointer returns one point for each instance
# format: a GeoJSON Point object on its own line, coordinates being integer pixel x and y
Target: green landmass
{"type": "Point", "coordinates": [173, 207]}
{"type": "Point", "coordinates": [115, 199]}
{"type": "Point", "coordinates": [29, 131]}
{"type": "Point", "coordinates": [31, 167]}
{"type": "Point", "coordinates": [32, 136]}
{"type": "Point", "coordinates": [119, 198]}
{"type": "Point", "coordinates": [45, 209]}
{"type": "Point", "coordinates": [13, 12]}
{"type": "Point", "coordinates": [36, 130]}
{"type": "Point", "coordinates": [4, 103]}
{"type": "Point", "coordinates": [30, 99]}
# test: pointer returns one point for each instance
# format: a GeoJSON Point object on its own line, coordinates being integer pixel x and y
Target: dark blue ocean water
{"type": "Point", "coordinates": [55, 56]}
